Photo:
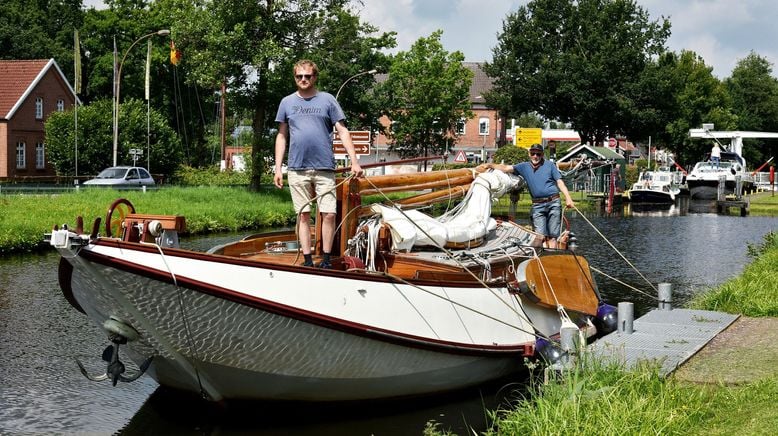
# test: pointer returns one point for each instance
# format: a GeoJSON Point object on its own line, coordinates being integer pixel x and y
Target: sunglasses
{"type": "Point", "coordinates": [304, 76]}
{"type": "Point", "coordinates": [536, 153]}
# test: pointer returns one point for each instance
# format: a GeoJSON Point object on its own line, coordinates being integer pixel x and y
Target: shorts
{"type": "Point", "coordinates": [547, 218]}
{"type": "Point", "coordinates": [305, 185]}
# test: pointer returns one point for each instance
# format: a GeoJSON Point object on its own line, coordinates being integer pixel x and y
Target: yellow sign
{"type": "Point", "coordinates": [525, 137]}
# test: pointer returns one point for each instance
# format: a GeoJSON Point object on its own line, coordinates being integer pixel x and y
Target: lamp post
{"type": "Point", "coordinates": [373, 71]}
{"type": "Point", "coordinates": [162, 32]}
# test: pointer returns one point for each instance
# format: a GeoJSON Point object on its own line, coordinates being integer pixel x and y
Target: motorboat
{"type": "Point", "coordinates": [705, 177]}
{"type": "Point", "coordinates": [413, 305]}
{"type": "Point", "coordinates": [662, 186]}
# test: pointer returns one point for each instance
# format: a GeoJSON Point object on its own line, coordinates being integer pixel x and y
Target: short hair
{"type": "Point", "coordinates": [306, 63]}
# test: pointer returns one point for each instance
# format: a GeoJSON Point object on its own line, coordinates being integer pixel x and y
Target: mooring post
{"type": "Point", "coordinates": [568, 340]}
{"type": "Point", "coordinates": [665, 296]}
{"type": "Point", "coordinates": [626, 317]}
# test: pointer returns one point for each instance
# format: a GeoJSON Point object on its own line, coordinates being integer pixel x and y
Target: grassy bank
{"type": "Point", "coordinates": [600, 399]}
{"type": "Point", "coordinates": [764, 204]}
{"type": "Point", "coordinates": [25, 218]}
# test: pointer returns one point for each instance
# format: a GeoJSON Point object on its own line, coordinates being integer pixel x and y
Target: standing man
{"type": "Point", "coordinates": [715, 155]}
{"type": "Point", "coordinates": [544, 182]}
{"type": "Point", "coordinates": [305, 119]}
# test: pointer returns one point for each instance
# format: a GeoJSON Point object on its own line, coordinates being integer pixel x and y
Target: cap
{"type": "Point", "coordinates": [536, 147]}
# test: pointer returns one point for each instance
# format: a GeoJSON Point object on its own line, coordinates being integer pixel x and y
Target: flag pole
{"type": "Point", "coordinates": [77, 90]}
{"type": "Point", "coordinates": [148, 106]}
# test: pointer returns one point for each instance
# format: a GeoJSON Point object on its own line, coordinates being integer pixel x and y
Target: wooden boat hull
{"type": "Point", "coordinates": [235, 330]}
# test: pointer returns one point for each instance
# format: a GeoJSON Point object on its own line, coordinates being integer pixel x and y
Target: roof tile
{"type": "Point", "coordinates": [15, 77]}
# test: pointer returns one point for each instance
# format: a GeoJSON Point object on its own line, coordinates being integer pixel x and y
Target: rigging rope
{"type": "Point", "coordinates": [615, 249]}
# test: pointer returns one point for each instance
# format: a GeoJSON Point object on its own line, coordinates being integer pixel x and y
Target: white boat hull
{"type": "Point", "coordinates": [234, 330]}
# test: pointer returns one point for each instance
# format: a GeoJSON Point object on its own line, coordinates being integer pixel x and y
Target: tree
{"type": "Point", "coordinates": [40, 29]}
{"type": "Point", "coordinates": [699, 97]}
{"type": "Point", "coordinates": [424, 96]}
{"type": "Point", "coordinates": [577, 62]}
{"type": "Point", "coordinates": [754, 93]}
{"type": "Point", "coordinates": [251, 45]}
{"type": "Point", "coordinates": [95, 137]}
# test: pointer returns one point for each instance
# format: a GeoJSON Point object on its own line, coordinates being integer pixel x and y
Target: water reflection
{"type": "Point", "coordinates": [464, 412]}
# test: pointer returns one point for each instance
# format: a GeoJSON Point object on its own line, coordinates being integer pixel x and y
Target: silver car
{"type": "Point", "coordinates": [122, 176]}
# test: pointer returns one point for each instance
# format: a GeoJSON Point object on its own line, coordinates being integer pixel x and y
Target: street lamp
{"type": "Point", "coordinates": [162, 32]}
{"type": "Point", "coordinates": [373, 71]}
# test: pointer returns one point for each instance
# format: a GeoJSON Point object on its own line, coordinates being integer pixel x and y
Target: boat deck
{"type": "Point", "coordinates": [670, 337]}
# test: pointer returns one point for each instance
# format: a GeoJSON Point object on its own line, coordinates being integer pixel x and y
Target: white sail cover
{"type": "Point", "coordinates": [470, 219]}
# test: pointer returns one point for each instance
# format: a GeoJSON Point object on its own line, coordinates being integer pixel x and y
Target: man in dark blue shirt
{"type": "Point", "coordinates": [544, 182]}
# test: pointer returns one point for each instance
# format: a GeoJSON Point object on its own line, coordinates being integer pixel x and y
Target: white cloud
{"type": "Point", "coordinates": [721, 31]}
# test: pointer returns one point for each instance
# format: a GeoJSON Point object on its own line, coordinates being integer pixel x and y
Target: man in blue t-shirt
{"type": "Point", "coordinates": [305, 120]}
{"type": "Point", "coordinates": [544, 181]}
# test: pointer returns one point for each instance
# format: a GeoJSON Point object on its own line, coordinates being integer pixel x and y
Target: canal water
{"type": "Point", "coordinates": [42, 390]}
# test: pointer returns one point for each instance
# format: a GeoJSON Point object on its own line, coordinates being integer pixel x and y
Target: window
{"type": "Point", "coordinates": [40, 156]}
{"type": "Point", "coordinates": [483, 126]}
{"type": "Point", "coordinates": [39, 108]}
{"type": "Point", "coordinates": [60, 105]}
{"type": "Point", "coordinates": [21, 161]}
{"type": "Point", "coordinates": [460, 129]}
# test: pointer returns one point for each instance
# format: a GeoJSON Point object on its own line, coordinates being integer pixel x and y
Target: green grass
{"type": "Point", "coordinates": [763, 204]}
{"type": "Point", "coordinates": [25, 218]}
{"type": "Point", "coordinates": [604, 399]}
{"type": "Point", "coordinates": [754, 292]}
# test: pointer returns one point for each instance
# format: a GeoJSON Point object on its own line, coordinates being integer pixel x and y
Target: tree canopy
{"type": "Point", "coordinates": [95, 139]}
{"type": "Point", "coordinates": [425, 96]}
{"type": "Point", "coordinates": [578, 62]}
{"type": "Point", "coordinates": [251, 45]}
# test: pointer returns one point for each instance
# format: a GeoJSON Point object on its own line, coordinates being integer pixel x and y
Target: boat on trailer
{"type": "Point", "coordinates": [413, 305]}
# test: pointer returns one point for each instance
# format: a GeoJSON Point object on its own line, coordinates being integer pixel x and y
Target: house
{"type": "Point", "coordinates": [30, 90]}
{"type": "Point", "coordinates": [605, 161]}
{"type": "Point", "coordinates": [479, 136]}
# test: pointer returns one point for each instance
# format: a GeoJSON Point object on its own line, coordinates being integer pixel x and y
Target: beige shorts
{"type": "Point", "coordinates": [307, 184]}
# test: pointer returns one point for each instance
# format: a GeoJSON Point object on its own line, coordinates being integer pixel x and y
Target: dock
{"type": "Point", "coordinates": [669, 337]}
{"type": "Point", "coordinates": [723, 206]}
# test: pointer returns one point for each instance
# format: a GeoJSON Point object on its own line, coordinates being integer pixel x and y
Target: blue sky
{"type": "Point", "coordinates": [721, 31]}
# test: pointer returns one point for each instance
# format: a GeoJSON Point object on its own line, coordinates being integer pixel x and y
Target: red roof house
{"type": "Point", "coordinates": [29, 91]}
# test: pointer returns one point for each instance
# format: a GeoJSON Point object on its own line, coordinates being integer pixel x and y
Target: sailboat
{"type": "Point", "coordinates": [415, 304]}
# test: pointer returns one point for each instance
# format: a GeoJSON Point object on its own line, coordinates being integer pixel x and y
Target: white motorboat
{"type": "Point", "coordinates": [662, 186]}
{"type": "Point", "coordinates": [704, 178]}
{"type": "Point", "coordinates": [412, 306]}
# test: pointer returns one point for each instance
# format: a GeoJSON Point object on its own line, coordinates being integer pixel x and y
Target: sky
{"type": "Point", "coordinates": [721, 31]}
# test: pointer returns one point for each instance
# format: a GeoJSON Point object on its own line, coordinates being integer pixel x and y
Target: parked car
{"type": "Point", "coordinates": [122, 176]}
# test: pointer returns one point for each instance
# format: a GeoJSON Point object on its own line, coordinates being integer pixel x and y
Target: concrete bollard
{"type": "Point", "coordinates": [626, 317]}
{"type": "Point", "coordinates": [665, 296]}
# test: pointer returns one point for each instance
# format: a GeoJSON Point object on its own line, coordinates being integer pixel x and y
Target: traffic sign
{"type": "Point", "coordinates": [360, 139]}
{"type": "Point", "coordinates": [460, 157]}
{"type": "Point", "coordinates": [525, 137]}
{"type": "Point", "coordinates": [612, 142]}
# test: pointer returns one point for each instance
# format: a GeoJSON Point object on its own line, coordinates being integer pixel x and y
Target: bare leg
{"type": "Point", "coordinates": [304, 231]}
{"type": "Point", "coordinates": [327, 231]}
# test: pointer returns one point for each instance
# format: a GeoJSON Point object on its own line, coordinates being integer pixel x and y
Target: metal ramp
{"type": "Point", "coordinates": [668, 336]}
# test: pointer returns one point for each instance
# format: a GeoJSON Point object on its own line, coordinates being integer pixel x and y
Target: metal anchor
{"type": "Point", "coordinates": [115, 369]}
